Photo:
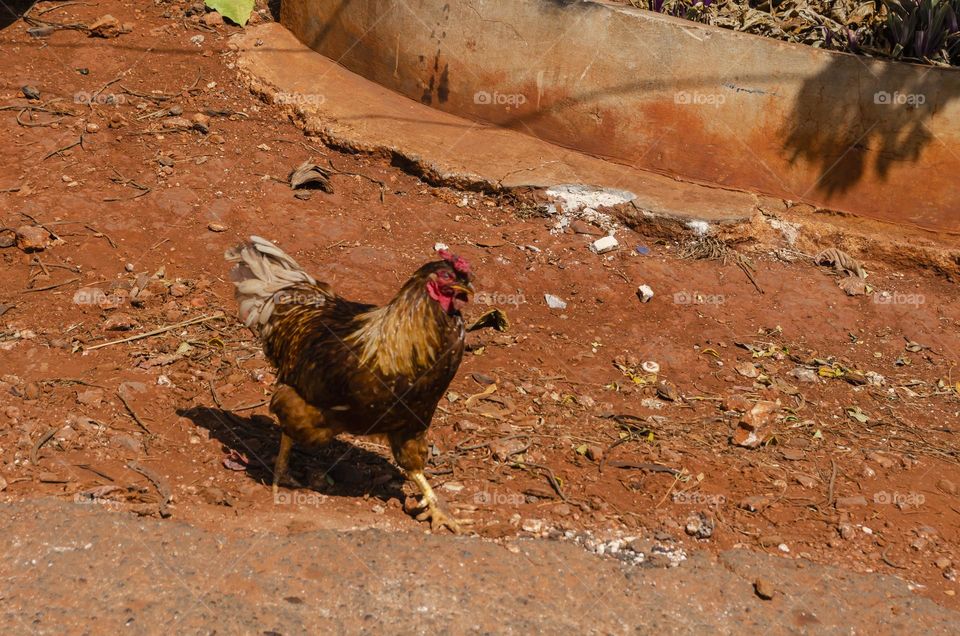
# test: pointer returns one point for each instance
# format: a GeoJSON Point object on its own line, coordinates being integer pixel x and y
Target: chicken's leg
{"type": "Point", "coordinates": [297, 420]}
{"type": "Point", "coordinates": [411, 454]}
{"type": "Point", "coordinates": [282, 464]}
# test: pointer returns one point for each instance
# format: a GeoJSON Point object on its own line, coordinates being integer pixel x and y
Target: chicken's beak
{"type": "Point", "coordinates": [463, 288]}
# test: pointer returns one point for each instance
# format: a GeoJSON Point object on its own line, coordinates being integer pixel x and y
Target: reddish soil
{"type": "Point", "coordinates": [140, 199]}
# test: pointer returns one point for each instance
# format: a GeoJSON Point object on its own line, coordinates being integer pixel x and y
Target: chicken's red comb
{"type": "Point", "coordinates": [459, 264]}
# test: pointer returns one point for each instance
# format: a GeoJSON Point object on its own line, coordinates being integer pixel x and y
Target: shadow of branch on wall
{"type": "Point", "coordinates": [872, 126]}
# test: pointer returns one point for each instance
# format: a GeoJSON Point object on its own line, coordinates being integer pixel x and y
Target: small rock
{"type": "Point", "coordinates": [604, 245]}
{"type": "Point", "coordinates": [126, 441]}
{"type": "Point", "coordinates": [847, 531]}
{"type": "Point", "coordinates": [850, 502]}
{"type": "Point", "coordinates": [532, 525]}
{"type": "Point", "coordinates": [737, 403]}
{"type": "Point", "coordinates": [201, 122]}
{"type": "Point", "coordinates": [581, 227]}
{"type": "Point", "coordinates": [666, 390]}
{"type": "Point", "coordinates": [106, 26]}
{"type": "Point", "coordinates": [120, 322]}
{"type": "Point", "coordinates": [32, 391]}
{"type": "Point", "coordinates": [764, 589]}
{"type": "Point", "coordinates": [562, 510]}
{"type": "Point", "coordinates": [503, 449]}
{"type": "Point", "coordinates": [197, 39]}
{"type": "Point", "coordinates": [770, 540]}
{"type": "Point", "coordinates": [30, 92]}
{"type": "Point", "coordinates": [883, 460]}
{"type": "Point", "coordinates": [92, 128]}
{"type": "Point", "coordinates": [32, 238]}
{"type": "Point", "coordinates": [175, 111]}
{"type": "Point", "coordinates": [12, 413]}
{"type": "Point", "coordinates": [594, 453]}
{"type": "Point", "coordinates": [804, 374]}
{"type": "Point", "coordinates": [212, 19]}
{"type": "Point", "coordinates": [755, 503]}
{"type": "Point", "coordinates": [91, 397]}
{"type": "Point", "coordinates": [947, 487]}
{"type": "Point", "coordinates": [216, 227]}
{"type": "Point", "coordinates": [943, 563]}
{"type": "Point", "coordinates": [649, 366]}
{"type": "Point", "coordinates": [554, 302]}
{"type": "Point", "coordinates": [645, 293]}
{"type": "Point", "coordinates": [178, 290]}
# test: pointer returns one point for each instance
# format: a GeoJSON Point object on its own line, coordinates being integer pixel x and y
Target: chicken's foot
{"type": "Point", "coordinates": [433, 508]}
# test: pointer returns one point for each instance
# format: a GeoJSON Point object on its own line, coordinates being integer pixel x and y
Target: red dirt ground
{"type": "Point", "coordinates": [138, 199]}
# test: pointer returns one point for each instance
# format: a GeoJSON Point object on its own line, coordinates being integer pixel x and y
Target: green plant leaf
{"type": "Point", "coordinates": [237, 11]}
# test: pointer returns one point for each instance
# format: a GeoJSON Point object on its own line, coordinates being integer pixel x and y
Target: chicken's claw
{"type": "Point", "coordinates": [438, 517]}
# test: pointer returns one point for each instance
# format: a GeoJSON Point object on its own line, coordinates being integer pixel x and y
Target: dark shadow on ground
{"type": "Point", "coordinates": [339, 469]}
{"type": "Point", "coordinates": [13, 10]}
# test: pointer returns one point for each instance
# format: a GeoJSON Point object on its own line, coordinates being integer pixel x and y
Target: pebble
{"type": "Point", "coordinates": [850, 502]}
{"type": "Point", "coordinates": [805, 375]}
{"type": "Point", "coordinates": [178, 290]}
{"type": "Point", "coordinates": [92, 127]}
{"type": "Point", "coordinates": [32, 238]}
{"type": "Point", "coordinates": [216, 227]}
{"type": "Point", "coordinates": [943, 563]}
{"type": "Point", "coordinates": [604, 245]}
{"type": "Point", "coordinates": [32, 391]}
{"type": "Point", "coordinates": [120, 322]}
{"type": "Point", "coordinates": [532, 525]}
{"type": "Point", "coordinates": [12, 412]}
{"type": "Point", "coordinates": [91, 397]}
{"type": "Point", "coordinates": [645, 293]}
{"type": "Point", "coordinates": [554, 302]}
{"type": "Point", "coordinates": [212, 19]}
{"type": "Point", "coordinates": [764, 589]}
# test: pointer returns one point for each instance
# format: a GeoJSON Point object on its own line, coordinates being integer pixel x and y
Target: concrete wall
{"type": "Point", "coordinates": [839, 131]}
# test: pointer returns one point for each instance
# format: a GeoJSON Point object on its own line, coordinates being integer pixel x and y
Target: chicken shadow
{"type": "Point", "coordinates": [338, 469]}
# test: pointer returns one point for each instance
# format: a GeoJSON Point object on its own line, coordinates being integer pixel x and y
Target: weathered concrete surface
{"type": "Point", "coordinates": [71, 568]}
{"type": "Point", "coordinates": [347, 110]}
{"type": "Point", "coordinates": [668, 95]}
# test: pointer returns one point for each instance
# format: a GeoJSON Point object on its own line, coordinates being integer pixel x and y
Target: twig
{"type": "Point", "coordinates": [158, 482]}
{"type": "Point", "coordinates": [63, 6]}
{"type": "Point", "coordinates": [93, 98]}
{"type": "Point", "coordinates": [46, 437]}
{"type": "Point", "coordinates": [133, 414]}
{"type": "Point", "coordinates": [250, 407]}
{"type": "Point", "coordinates": [97, 232]}
{"type": "Point", "coordinates": [67, 147]}
{"type": "Point", "coordinates": [54, 286]}
{"type": "Point", "coordinates": [156, 332]}
{"type": "Point", "coordinates": [886, 559]}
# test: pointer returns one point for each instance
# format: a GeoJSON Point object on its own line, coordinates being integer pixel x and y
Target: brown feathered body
{"type": "Point", "coordinates": [346, 366]}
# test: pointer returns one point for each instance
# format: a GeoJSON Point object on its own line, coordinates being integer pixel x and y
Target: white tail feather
{"type": "Point", "coordinates": [261, 270]}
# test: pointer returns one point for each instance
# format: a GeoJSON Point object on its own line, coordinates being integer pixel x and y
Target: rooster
{"type": "Point", "coordinates": [348, 367]}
